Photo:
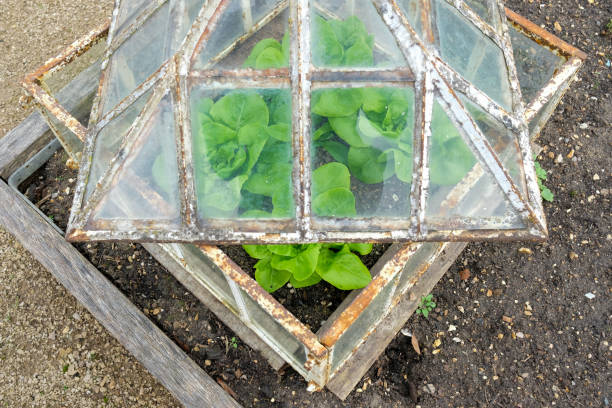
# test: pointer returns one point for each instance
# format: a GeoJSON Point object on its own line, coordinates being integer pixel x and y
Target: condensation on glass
{"type": "Point", "coordinates": [243, 121]}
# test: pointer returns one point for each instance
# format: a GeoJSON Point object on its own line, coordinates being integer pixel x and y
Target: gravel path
{"type": "Point", "coordinates": [53, 353]}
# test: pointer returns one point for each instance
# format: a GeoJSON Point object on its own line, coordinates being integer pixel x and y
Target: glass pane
{"type": "Point", "coordinates": [472, 54]}
{"type": "Point", "coordinates": [452, 195]}
{"type": "Point", "coordinates": [268, 47]}
{"type": "Point", "coordinates": [362, 151]}
{"type": "Point", "coordinates": [185, 13]}
{"type": "Point", "coordinates": [137, 58]}
{"type": "Point", "coordinates": [503, 141]}
{"type": "Point", "coordinates": [72, 144]}
{"type": "Point", "coordinates": [274, 334]}
{"type": "Point", "coordinates": [242, 153]}
{"type": "Point", "coordinates": [108, 141]}
{"type": "Point", "coordinates": [82, 67]}
{"type": "Point", "coordinates": [535, 64]}
{"type": "Point", "coordinates": [206, 271]}
{"type": "Point", "coordinates": [351, 338]}
{"type": "Point", "coordinates": [481, 7]}
{"type": "Point", "coordinates": [147, 185]}
{"type": "Point", "coordinates": [262, 8]}
{"type": "Point", "coordinates": [544, 114]}
{"type": "Point", "coordinates": [412, 10]}
{"type": "Point", "coordinates": [129, 11]}
{"type": "Point", "coordinates": [351, 34]}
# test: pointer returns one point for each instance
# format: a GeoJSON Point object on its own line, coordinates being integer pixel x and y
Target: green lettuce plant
{"type": "Point", "coordinates": [306, 265]}
{"type": "Point", "coordinates": [243, 142]}
{"type": "Point", "coordinates": [244, 137]}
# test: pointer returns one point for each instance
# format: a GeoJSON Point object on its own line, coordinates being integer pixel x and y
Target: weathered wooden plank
{"type": "Point", "coordinates": [343, 382]}
{"type": "Point", "coordinates": [160, 356]}
{"type": "Point", "coordinates": [219, 309]}
{"type": "Point", "coordinates": [21, 143]}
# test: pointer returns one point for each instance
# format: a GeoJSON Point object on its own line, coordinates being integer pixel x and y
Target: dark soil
{"type": "Point", "coordinates": [517, 332]}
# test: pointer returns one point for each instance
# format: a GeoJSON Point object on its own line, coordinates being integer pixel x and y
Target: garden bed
{"type": "Point", "coordinates": [482, 368]}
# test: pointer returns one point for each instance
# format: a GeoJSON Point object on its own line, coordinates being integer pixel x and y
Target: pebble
{"type": "Point", "coordinates": [524, 250]}
{"type": "Point", "coordinates": [589, 295]}
{"type": "Point", "coordinates": [584, 126]}
{"type": "Point", "coordinates": [429, 388]}
{"type": "Point", "coordinates": [520, 335]}
{"type": "Point", "coordinates": [559, 159]}
{"type": "Point", "coordinates": [452, 328]}
{"type": "Point", "coordinates": [595, 177]}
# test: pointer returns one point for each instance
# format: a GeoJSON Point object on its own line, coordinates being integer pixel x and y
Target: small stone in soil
{"type": "Point", "coordinates": [429, 388]}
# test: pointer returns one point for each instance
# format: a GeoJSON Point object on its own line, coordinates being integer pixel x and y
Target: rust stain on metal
{"type": "Point", "coordinates": [426, 21]}
{"type": "Point", "coordinates": [265, 300]}
{"type": "Point", "coordinates": [388, 272]}
{"type": "Point", "coordinates": [73, 51]}
{"type": "Point", "coordinates": [210, 26]}
{"type": "Point", "coordinates": [543, 37]}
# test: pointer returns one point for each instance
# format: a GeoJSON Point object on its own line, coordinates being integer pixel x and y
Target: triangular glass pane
{"type": "Point", "coordinates": [108, 141]}
{"type": "Point", "coordinates": [185, 13]}
{"type": "Point", "coordinates": [238, 39]}
{"type": "Point", "coordinates": [535, 64]}
{"type": "Point", "coordinates": [472, 54]}
{"type": "Point", "coordinates": [146, 186]}
{"type": "Point", "coordinates": [362, 151]}
{"type": "Point", "coordinates": [460, 187]}
{"type": "Point", "coordinates": [412, 10]}
{"type": "Point", "coordinates": [242, 153]}
{"type": "Point", "coordinates": [503, 141]}
{"type": "Point", "coordinates": [138, 58]}
{"type": "Point", "coordinates": [351, 34]}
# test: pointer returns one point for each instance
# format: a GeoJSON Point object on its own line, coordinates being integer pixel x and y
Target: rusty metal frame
{"type": "Point", "coordinates": [320, 347]}
{"type": "Point", "coordinates": [34, 85]}
{"type": "Point", "coordinates": [307, 227]}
